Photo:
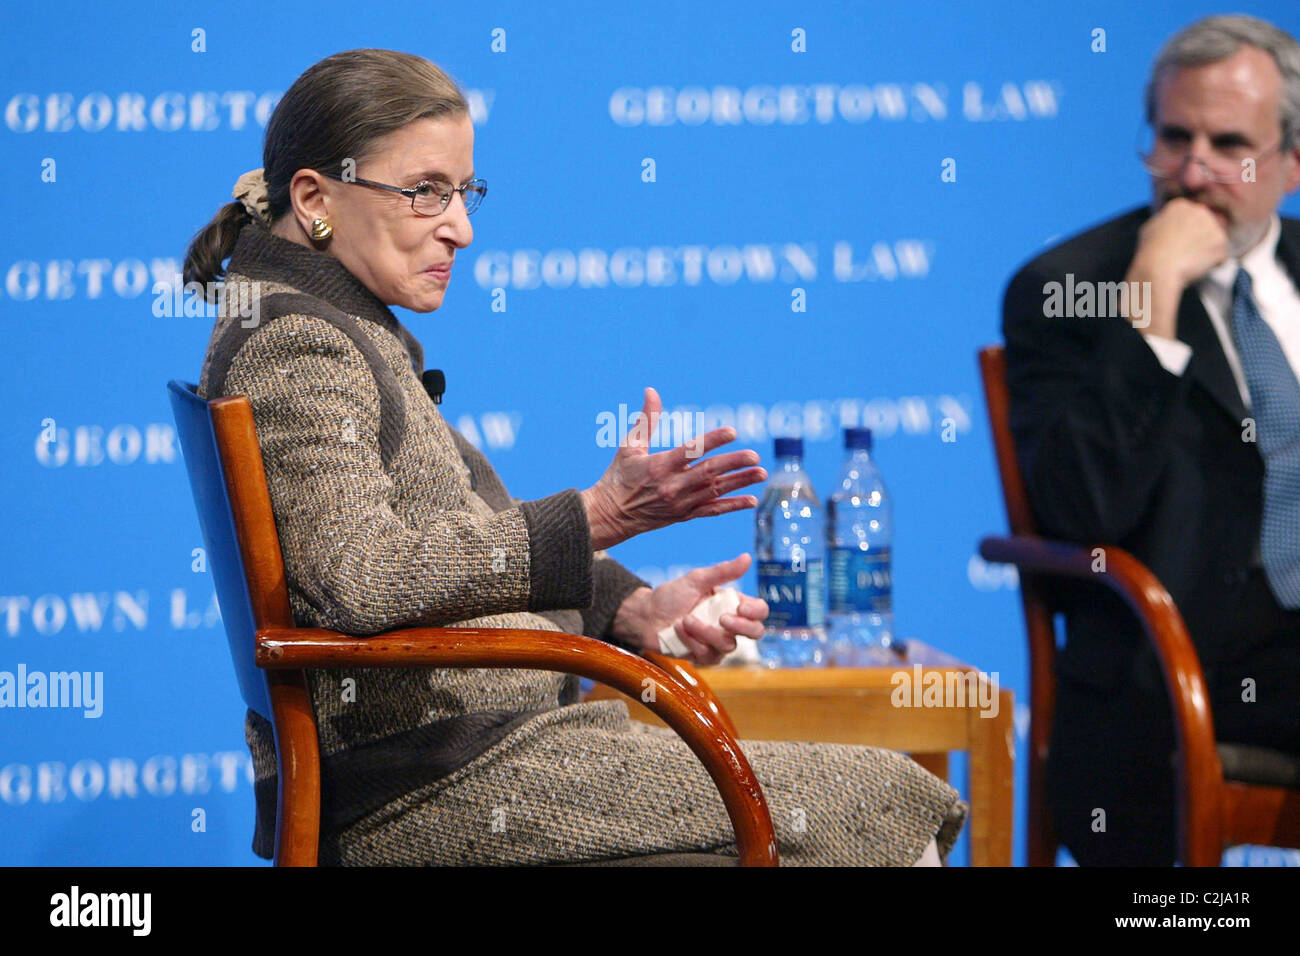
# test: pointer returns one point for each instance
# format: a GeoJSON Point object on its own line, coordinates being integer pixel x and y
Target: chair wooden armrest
{"type": "Point", "coordinates": [685, 672]}
{"type": "Point", "coordinates": [1200, 774]}
{"type": "Point", "coordinates": [686, 709]}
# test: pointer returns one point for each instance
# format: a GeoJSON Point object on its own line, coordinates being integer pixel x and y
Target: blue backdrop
{"type": "Point", "coordinates": [667, 182]}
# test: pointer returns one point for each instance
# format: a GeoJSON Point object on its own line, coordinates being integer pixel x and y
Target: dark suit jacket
{"type": "Point", "coordinates": [1117, 450]}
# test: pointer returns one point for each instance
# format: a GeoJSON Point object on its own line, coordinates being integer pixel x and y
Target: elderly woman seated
{"type": "Point", "coordinates": [389, 517]}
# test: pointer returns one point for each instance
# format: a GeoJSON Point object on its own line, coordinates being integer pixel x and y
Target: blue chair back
{"type": "Point", "coordinates": [198, 441]}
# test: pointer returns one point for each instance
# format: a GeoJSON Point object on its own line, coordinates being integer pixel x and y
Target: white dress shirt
{"type": "Point", "coordinates": [1274, 292]}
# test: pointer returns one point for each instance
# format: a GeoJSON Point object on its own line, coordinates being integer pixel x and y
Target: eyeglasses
{"type": "Point", "coordinates": [430, 197]}
{"type": "Point", "coordinates": [1227, 164]}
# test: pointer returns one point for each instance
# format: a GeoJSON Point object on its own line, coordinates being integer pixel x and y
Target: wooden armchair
{"type": "Point", "coordinates": [219, 442]}
{"type": "Point", "coordinates": [1227, 794]}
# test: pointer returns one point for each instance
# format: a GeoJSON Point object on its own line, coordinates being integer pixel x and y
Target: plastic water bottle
{"type": "Point", "coordinates": [859, 531]}
{"type": "Point", "coordinates": [791, 548]}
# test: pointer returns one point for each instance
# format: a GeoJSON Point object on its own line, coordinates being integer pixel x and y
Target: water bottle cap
{"type": "Point", "coordinates": [857, 437]}
{"type": "Point", "coordinates": [785, 447]}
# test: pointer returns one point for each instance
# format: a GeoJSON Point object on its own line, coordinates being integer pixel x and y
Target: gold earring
{"type": "Point", "coordinates": [320, 229]}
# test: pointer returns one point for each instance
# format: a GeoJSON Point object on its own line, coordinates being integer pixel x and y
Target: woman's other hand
{"type": "Point", "coordinates": [641, 491]}
{"type": "Point", "coordinates": [644, 612]}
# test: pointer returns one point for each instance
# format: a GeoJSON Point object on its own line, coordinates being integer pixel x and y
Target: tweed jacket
{"type": "Point", "coordinates": [375, 538]}
{"type": "Point", "coordinates": [388, 517]}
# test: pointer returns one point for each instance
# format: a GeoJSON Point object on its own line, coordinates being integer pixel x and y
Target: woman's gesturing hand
{"type": "Point", "coordinates": [644, 612]}
{"type": "Point", "coordinates": [641, 491]}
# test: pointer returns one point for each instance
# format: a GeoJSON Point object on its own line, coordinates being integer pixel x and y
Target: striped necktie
{"type": "Point", "coordinates": [1275, 405]}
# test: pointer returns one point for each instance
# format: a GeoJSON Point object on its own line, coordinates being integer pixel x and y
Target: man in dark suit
{"type": "Point", "coordinates": [1158, 416]}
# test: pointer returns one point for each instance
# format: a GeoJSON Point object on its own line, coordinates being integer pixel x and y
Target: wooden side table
{"type": "Point", "coordinates": [884, 706]}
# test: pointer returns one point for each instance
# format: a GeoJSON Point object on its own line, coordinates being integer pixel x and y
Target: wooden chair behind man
{"type": "Point", "coordinates": [219, 443]}
{"type": "Point", "coordinates": [1227, 794]}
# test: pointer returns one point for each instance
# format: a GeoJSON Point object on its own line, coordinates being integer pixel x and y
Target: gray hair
{"type": "Point", "coordinates": [1217, 38]}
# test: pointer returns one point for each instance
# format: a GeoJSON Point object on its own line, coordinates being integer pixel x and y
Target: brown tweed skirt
{"type": "Point", "coordinates": [586, 783]}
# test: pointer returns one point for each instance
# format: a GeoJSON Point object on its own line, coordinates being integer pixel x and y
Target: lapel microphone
{"type": "Point", "coordinates": [435, 383]}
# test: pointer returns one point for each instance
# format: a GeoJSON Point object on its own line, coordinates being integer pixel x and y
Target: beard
{"type": "Point", "coordinates": [1242, 236]}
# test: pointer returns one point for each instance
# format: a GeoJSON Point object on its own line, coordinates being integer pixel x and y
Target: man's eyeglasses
{"type": "Point", "coordinates": [430, 197]}
{"type": "Point", "coordinates": [1234, 163]}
